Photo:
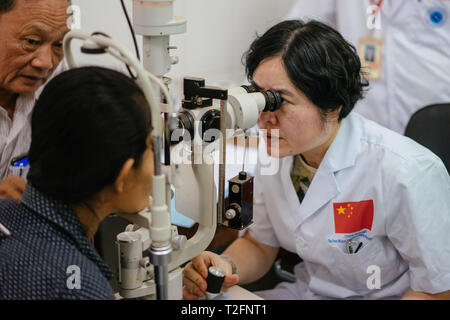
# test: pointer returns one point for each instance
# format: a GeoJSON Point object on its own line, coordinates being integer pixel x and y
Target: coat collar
{"type": "Point", "coordinates": [344, 149]}
{"type": "Point", "coordinates": [61, 214]}
{"type": "Point", "coordinates": [341, 154]}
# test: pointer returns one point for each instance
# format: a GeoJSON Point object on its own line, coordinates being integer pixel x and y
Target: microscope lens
{"type": "Point", "coordinates": [250, 88]}
{"type": "Point", "coordinates": [273, 100]}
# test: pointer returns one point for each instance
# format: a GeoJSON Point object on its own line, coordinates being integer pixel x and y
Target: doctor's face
{"type": "Point", "coordinates": [31, 43]}
{"type": "Point", "coordinates": [302, 128]}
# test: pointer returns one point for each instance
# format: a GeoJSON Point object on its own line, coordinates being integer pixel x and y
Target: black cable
{"type": "Point", "coordinates": [131, 73]}
{"type": "Point", "coordinates": [133, 35]}
{"type": "Point", "coordinates": [105, 35]}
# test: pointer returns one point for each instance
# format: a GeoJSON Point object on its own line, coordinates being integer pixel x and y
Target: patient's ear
{"type": "Point", "coordinates": [119, 183]}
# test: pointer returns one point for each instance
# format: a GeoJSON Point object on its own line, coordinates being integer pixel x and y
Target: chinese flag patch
{"type": "Point", "coordinates": [351, 217]}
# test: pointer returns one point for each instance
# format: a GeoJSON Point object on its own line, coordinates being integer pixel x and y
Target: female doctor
{"type": "Point", "coordinates": [368, 210]}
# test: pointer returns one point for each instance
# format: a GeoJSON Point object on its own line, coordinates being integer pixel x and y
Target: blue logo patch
{"type": "Point", "coordinates": [436, 17]}
{"type": "Point", "coordinates": [346, 237]}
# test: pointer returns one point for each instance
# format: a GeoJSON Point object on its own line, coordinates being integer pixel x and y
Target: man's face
{"type": "Point", "coordinates": [31, 43]}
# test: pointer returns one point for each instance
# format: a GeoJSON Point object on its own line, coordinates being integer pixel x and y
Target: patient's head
{"type": "Point", "coordinates": [90, 140]}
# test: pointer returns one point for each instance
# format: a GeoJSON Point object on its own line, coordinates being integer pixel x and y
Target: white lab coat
{"type": "Point", "coordinates": [415, 55]}
{"type": "Point", "coordinates": [408, 239]}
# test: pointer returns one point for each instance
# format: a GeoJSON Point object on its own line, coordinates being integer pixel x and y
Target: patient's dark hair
{"type": "Point", "coordinates": [318, 61]}
{"type": "Point", "coordinates": [6, 5]}
{"type": "Point", "coordinates": [85, 125]}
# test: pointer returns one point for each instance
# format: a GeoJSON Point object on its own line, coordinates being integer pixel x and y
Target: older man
{"type": "Point", "coordinates": [31, 38]}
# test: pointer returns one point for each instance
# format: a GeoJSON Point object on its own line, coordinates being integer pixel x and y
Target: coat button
{"type": "Point", "coordinates": [301, 243]}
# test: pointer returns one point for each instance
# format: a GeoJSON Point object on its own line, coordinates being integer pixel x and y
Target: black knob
{"type": "Point", "coordinates": [215, 279]}
{"type": "Point", "coordinates": [186, 125]}
{"type": "Point", "coordinates": [210, 120]}
{"type": "Point", "coordinates": [242, 175]}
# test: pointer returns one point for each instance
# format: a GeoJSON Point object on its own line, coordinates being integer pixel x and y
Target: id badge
{"type": "Point", "coordinates": [370, 56]}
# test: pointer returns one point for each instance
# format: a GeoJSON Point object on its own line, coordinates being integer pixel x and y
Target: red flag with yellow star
{"type": "Point", "coordinates": [351, 217]}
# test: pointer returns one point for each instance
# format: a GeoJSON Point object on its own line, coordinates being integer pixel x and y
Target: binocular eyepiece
{"type": "Point", "coordinates": [244, 104]}
{"type": "Point", "coordinates": [273, 99]}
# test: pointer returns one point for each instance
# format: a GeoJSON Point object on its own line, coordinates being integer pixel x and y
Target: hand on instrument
{"type": "Point", "coordinates": [12, 188]}
{"type": "Point", "coordinates": [196, 272]}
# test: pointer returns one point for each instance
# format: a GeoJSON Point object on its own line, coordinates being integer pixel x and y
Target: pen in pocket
{"type": "Point", "coordinates": [19, 166]}
{"type": "Point", "coordinates": [351, 244]}
{"type": "Point", "coordinates": [4, 230]}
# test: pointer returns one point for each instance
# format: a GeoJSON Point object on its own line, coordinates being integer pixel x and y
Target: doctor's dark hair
{"type": "Point", "coordinates": [318, 61]}
{"type": "Point", "coordinates": [85, 125]}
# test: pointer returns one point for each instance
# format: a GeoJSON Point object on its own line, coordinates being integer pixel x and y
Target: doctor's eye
{"type": "Point", "coordinates": [284, 101]}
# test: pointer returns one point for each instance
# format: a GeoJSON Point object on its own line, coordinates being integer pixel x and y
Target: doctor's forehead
{"type": "Point", "coordinates": [271, 74]}
{"type": "Point", "coordinates": [281, 89]}
{"type": "Point", "coordinates": [271, 82]}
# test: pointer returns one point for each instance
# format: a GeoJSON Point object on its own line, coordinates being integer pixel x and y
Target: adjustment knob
{"type": "Point", "coordinates": [210, 120]}
{"type": "Point", "coordinates": [230, 214]}
{"type": "Point", "coordinates": [179, 242]}
{"type": "Point", "coordinates": [186, 124]}
{"type": "Point", "coordinates": [214, 281]}
{"type": "Point", "coordinates": [232, 211]}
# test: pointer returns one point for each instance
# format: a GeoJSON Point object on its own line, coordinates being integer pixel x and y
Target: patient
{"type": "Point", "coordinates": [90, 156]}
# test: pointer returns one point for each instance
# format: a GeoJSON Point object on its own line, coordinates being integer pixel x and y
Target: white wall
{"type": "Point", "coordinates": [218, 33]}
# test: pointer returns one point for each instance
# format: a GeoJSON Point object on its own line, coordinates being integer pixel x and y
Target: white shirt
{"type": "Point", "coordinates": [406, 238]}
{"type": "Point", "coordinates": [15, 134]}
{"type": "Point", "coordinates": [415, 54]}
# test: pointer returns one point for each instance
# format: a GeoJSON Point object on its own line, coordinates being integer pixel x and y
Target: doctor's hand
{"type": "Point", "coordinates": [12, 188]}
{"type": "Point", "coordinates": [196, 272]}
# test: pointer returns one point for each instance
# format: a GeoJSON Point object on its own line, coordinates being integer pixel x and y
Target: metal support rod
{"type": "Point", "coordinates": [222, 157]}
{"type": "Point", "coordinates": [167, 137]}
{"type": "Point", "coordinates": [161, 258]}
{"type": "Point", "coordinates": [157, 141]}
{"type": "Point", "coordinates": [245, 150]}
{"type": "Point", "coordinates": [162, 281]}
